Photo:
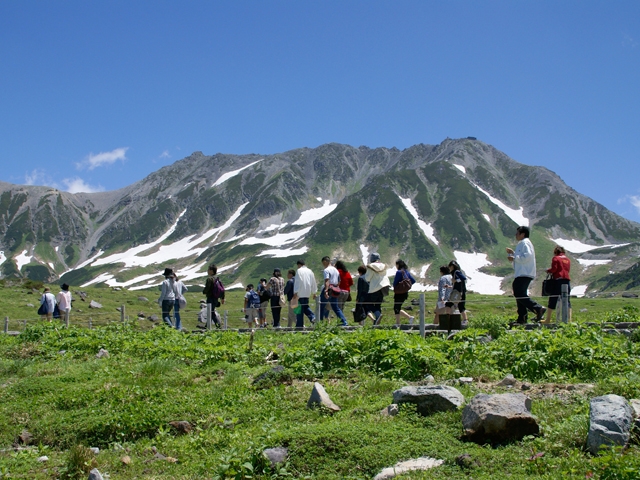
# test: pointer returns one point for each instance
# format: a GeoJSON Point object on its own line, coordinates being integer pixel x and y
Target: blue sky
{"type": "Point", "coordinates": [97, 95]}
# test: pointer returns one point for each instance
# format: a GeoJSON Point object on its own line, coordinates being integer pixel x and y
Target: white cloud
{"type": "Point", "coordinates": [103, 158]}
{"type": "Point", "coordinates": [77, 185]}
{"type": "Point", "coordinates": [632, 199]}
{"type": "Point", "coordinates": [165, 154]}
{"type": "Point", "coordinates": [38, 176]}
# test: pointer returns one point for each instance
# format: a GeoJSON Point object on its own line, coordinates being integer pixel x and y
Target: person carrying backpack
{"type": "Point", "coordinates": [214, 290]}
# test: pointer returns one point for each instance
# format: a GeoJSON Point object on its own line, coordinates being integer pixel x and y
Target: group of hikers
{"type": "Point", "coordinates": [291, 297]}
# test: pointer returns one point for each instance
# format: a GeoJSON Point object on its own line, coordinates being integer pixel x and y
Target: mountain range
{"type": "Point", "coordinates": [427, 204]}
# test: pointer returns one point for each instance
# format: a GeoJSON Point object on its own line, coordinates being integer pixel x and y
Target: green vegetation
{"type": "Point", "coordinates": [53, 386]}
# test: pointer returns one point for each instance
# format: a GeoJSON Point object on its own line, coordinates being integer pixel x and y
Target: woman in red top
{"type": "Point", "coordinates": [560, 266]}
{"type": "Point", "coordinates": [345, 283]}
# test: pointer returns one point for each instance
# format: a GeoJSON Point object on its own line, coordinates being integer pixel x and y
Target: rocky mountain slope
{"type": "Point", "coordinates": [427, 204]}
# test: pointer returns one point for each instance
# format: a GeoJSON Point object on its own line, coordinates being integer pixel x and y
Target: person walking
{"type": "Point", "coordinates": [214, 290]}
{"type": "Point", "coordinates": [399, 297]}
{"type": "Point", "coordinates": [332, 280]}
{"type": "Point", "coordinates": [181, 289]}
{"type": "Point", "coordinates": [445, 286]}
{"type": "Point", "coordinates": [265, 296]}
{"type": "Point", "coordinates": [276, 288]}
{"type": "Point", "coordinates": [560, 267]}
{"type": "Point", "coordinates": [377, 279]}
{"type": "Point", "coordinates": [523, 259]}
{"type": "Point", "coordinates": [346, 281]}
{"type": "Point", "coordinates": [362, 289]}
{"type": "Point", "coordinates": [167, 298]}
{"type": "Point", "coordinates": [304, 287]}
{"type": "Point", "coordinates": [63, 299]}
{"type": "Point", "coordinates": [288, 291]}
{"type": "Point", "coordinates": [47, 304]}
{"type": "Point", "coordinates": [459, 280]}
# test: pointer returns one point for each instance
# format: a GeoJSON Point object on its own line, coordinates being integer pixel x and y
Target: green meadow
{"type": "Point", "coordinates": [224, 384]}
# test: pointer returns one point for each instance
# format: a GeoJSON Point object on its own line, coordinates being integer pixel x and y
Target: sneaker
{"type": "Point", "coordinates": [541, 314]}
{"type": "Point", "coordinates": [411, 319]}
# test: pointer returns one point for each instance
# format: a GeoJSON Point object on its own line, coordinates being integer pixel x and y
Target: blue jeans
{"type": "Point", "coordinates": [333, 301]}
{"type": "Point", "coordinates": [176, 314]}
{"type": "Point", "coordinates": [324, 306]}
{"type": "Point", "coordinates": [304, 303]}
{"type": "Point", "coordinates": [167, 306]}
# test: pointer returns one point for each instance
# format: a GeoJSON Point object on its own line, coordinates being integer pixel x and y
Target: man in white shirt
{"type": "Point", "coordinates": [304, 286]}
{"type": "Point", "coordinates": [524, 264]}
{"type": "Point", "coordinates": [332, 279]}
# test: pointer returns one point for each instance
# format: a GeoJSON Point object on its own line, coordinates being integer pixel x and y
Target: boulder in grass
{"type": "Point", "coordinates": [95, 304]}
{"type": "Point", "coordinates": [102, 353]}
{"type": "Point", "coordinates": [319, 396]}
{"type": "Point", "coordinates": [95, 474]}
{"type": "Point", "coordinates": [431, 398]}
{"type": "Point", "coordinates": [499, 418]}
{"type": "Point", "coordinates": [422, 463]}
{"type": "Point", "coordinates": [276, 456]}
{"type": "Point", "coordinates": [610, 419]}
{"type": "Point", "coordinates": [635, 406]}
{"type": "Point", "coordinates": [390, 411]}
{"type": "Point", "coordinates": [182, 426]}
{"type": "Point", "coordinates": [143, 299]}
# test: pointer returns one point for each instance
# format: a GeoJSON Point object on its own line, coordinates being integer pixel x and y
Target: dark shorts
{"type": "Point", "coordinates": [398, 300]}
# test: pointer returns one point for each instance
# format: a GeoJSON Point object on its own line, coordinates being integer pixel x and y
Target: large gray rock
{"type": "Point", "coordinates": [499, 418]}
{"type": "Point", "coordinates": [276, 455]}
{"type": "Point", "coordinates": [95, 304]}
{"type": "Point", "coordinates": [319, 396]}
{"type": "Point", "coordinates": [422, 463]}
{"type": "Point", "coordinates": [635, 406]}
{"type": "Point", "coordinates": [95, 474]}
{"type": "Point", "coordinates": [430, 398]}
{"type": "Point", "coordinates": [610, 418]}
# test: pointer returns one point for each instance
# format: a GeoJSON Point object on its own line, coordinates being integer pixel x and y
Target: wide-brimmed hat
{"type": "Point", "coordinates": [167, 272]}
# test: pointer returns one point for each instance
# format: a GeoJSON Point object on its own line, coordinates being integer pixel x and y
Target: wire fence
{"type": "Point", "coordinates": [230, 320]}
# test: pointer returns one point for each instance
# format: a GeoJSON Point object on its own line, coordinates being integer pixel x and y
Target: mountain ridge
{"type": "Point", "coordinates": [424, 202]}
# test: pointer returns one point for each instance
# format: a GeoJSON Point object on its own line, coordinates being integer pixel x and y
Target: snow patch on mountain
{"type": "Point", "coordinates": [461, 168]}
{"type": "Point", "coordinates": [365, 254]}
{"type": "Point", "coordinates": [516, 215]}
{"type": "Point", "coordinates": [315, 214]}
{"type": "Point", "coordinates": [426, 228]}
{"type": "Point", "coordinates": [2, 258]}
{"type": "Point", "coordinates": [590, 263]}
{"type": "Point", "coordinates": [423, 270]}
{"type": "Point", "coordinates": [479, 282]}
{"type": "Point", "coordinates": [183, 248]}
{"type": "Point", "coordinates": [272, 227]}
{"type": "Point", "coordinates": [282, 253]}
{"type": "Point", "coordinates": [576, 246]}
{"type": "Point", "coordinates": [278, 239]}
{"type": "Point", "coordinates": [579, 290]}
{"type": "Point", "coordinates": [22, 259]}
{"type": "Point", "coordinates": [486, 217]}
{"type": "Point", "coordinates": [223, 178]}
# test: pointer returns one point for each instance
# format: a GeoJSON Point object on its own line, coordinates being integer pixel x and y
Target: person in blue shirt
{"type": "Point", "coordinates": [399, 298]}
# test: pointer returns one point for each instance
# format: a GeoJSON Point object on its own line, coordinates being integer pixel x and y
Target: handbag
{"type": "Point", "coordinates": [403, 286]}
{"type": "Point", "coordinates": [334, 291]}
{"type": "Point", "coordinates": [294, 302]}
{"type": "Point", "coordinates": [56, 312]}
{"type": "Point", "coordinates": [43, 309]}
{"type": "Point", "coordinates": [283, 300]}
{"type": "Point", "coordinates": [456, 296]}
{"type": "Point", "coordinates": [182, 302]}
{"type": "Point", "coordinates": [547, 285]}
